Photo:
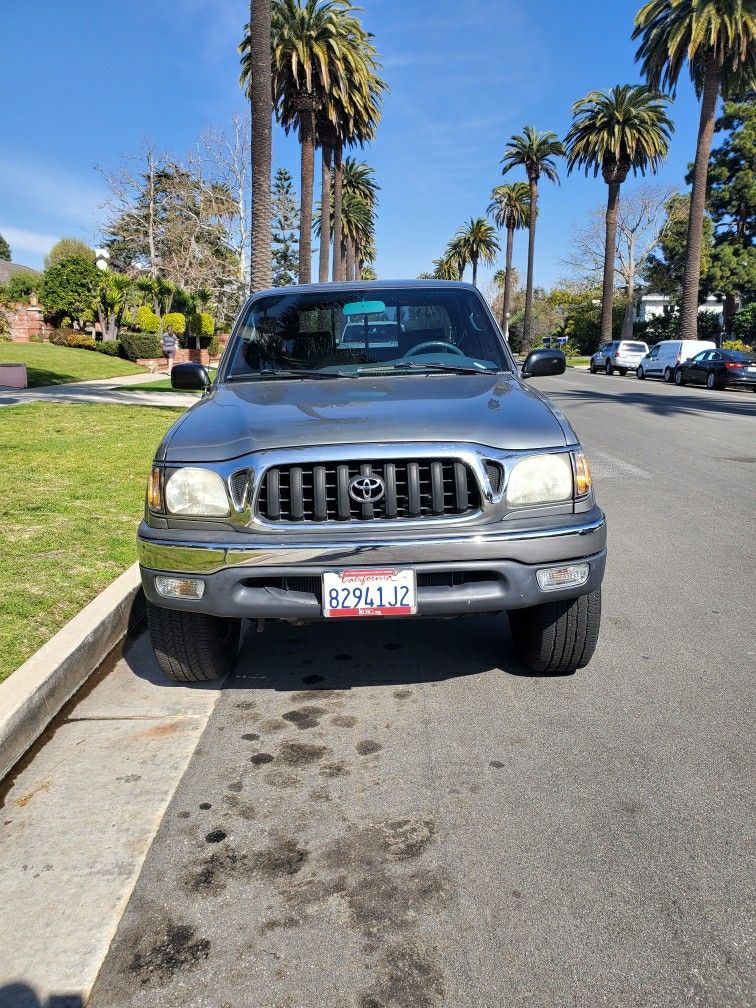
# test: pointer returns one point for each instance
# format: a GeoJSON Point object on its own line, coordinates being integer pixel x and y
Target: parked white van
{"type": "Point", "coordinates": [662, 359]}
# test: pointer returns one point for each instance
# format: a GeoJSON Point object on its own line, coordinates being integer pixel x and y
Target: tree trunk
{"type": "Point", "coordinates": [627, 322]}
{"type": "Point", "coordinates": [325, 214]}
{"type": "Point", "coordinates": [350, 258]}
{"type": "Point", "coordinates": [527, 322]}
{"type": "Point", "coordinates": [507, 285]}
{"type": "Point", "coordinates": [307, 143]}
{"type": "Point", "coordinates": [475, 272]}
{"type": "Point", "coordinates": [336, 273]}
{"type": "Point", "coordinates": [261, 102]}
{"type": "Point", "coordinates": [610, 252]}
{"type": "Point", "coordinates": [692, 280]}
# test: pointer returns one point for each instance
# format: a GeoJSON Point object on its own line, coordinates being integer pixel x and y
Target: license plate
{"type": "Point", "coordinates": [379, 591]}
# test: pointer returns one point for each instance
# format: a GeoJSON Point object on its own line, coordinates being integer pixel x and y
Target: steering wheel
{"type": "Point", "coordinates": [449, 347]}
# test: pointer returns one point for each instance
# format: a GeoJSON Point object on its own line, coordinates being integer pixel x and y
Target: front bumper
{"type": "Point", "coordinates": [494, 569]}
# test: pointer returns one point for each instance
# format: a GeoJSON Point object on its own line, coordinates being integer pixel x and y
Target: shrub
{"type": "Point", "coordinates": [744, 323]}
{"type": "Point", "coordinates": [202, 324]}
{"type": "Point", "coordinates": [78, 341]}
{"type": "Point", "coordinates": [60, 337]}
{"type": "Point", "coordinates": [176, 321]}
{"type": "Point", "coordinates": [111, 348]}
{"type": "Point", "coordinates": [736, 344]}
{"type": "Point", "coordinates": [135, 346]}
{"type": "Point", "coordinates": [145, 320]}
{"type": "Point", "coordinates": [214, 347]}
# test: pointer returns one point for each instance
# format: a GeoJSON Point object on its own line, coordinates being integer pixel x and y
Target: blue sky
{"type": "Point", "coordinates": [85, 83]}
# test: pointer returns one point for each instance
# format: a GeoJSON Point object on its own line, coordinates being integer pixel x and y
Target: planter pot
{"type": "Point", "coordinates": [13, 375]}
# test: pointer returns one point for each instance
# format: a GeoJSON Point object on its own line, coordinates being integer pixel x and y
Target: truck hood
{"type": "Point", "coordinates": [235, 419]}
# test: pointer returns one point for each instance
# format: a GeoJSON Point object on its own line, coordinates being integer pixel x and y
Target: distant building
{"type": "Point", "coordinates": [653, 305]}
{"type": "Point", "coordinates": [9, 269]}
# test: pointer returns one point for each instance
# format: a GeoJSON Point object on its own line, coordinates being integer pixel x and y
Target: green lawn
{"type": "Point", "coordinates": [72, 487]}
{"type": "Point", "coordinates": [55, 365]}
{"type": "Point", "coordinates": [578, 361]}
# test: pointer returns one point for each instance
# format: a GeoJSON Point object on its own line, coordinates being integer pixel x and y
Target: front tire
{"type": "Point", "coordinates": [557, 637]}
{"type": "Point", "coordinates": [192, 647]}
{"type": "Point", "coordinates": [679, 378]}
{"type": "Point", "coordinates": [639, 373]}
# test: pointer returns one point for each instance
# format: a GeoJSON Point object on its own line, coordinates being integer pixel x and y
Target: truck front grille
{"type": "Point", "coordinates": [412, 488]}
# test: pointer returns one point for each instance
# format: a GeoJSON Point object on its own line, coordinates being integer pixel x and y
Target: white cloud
{"type": "Point", "coordinates": [21, 240]}
{"type": "Point", "coordinates": [52, 190]}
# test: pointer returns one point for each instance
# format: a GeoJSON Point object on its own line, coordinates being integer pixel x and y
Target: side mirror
{"type": "Point", "coordinates": [540, 363]}
{"type": "Point", "coordinates": [190, 377]}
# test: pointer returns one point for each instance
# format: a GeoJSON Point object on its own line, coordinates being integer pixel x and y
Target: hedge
{"type": "Point", "coordinates": [135, 346]}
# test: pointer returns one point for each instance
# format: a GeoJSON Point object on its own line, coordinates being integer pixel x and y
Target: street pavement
{"type": "Point", "coordinates": [397, 815]}
{"type": "Point", "coordinates": [99, 390]}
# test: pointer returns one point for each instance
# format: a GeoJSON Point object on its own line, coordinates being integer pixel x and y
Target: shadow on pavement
{"type": "Point", "coordinates": [354, 654]}
{"type": "Point", "coordinates": [666, 404]}
{"type": "Point", "coordinates": [21, 995]}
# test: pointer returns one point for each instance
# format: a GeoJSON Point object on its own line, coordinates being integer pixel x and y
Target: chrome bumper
{"type": "Point", "coordinates": [567, 538]}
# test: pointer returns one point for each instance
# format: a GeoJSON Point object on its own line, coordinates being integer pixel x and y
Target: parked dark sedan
{"type": "Point", "coordinates": [716, 369]}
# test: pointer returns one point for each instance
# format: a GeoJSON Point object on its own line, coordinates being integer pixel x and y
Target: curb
{"type": "Point", "coordinates": [32, 696]}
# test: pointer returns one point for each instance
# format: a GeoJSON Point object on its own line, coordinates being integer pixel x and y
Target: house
{"type": "Point", "coordinates": [25, 320]}
{"type": "Point", "coordinates": [653, 305]}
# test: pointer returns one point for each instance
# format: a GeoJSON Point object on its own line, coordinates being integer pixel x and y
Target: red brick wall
{"type": "Point", "coordinates": [25, 322]}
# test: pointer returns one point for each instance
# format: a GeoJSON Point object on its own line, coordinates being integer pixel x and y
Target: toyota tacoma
{"type": "Point", "coordinates": [370, 450]}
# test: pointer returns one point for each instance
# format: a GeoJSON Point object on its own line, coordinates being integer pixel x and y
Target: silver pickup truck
{"type": "Point", "coordinates": [370, 450]}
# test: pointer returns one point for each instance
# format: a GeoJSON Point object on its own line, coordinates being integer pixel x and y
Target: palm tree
{"type": "Point", "coordinates": [256, 78]}
{"type": "Point", "coordinates": [535, 152]}
{"type": "Point", "coordinates": [509, 208]}
{"type": "Point", "coordinates": [446, 268]}
{"type": "Point", "coordinates": [718, 39]}
{"type": "Point", "coordinates": [360, 196]}
{"type": "Point", "coordinates": [309, 57]}
{"type": "Point", "coordinates": [617, 131]}
{"type": "Point", "coordinates": [456, 252]}
{"type": "Point", "coordinates": [479, 241]}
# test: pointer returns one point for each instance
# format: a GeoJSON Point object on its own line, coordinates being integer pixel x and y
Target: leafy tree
{"type": "Point", "coordinates": [744, 324]}
{"type": "Point", "coordinates": [285, 227]}
{"type": "Point", "coordinates": [732, 205]}
{"type": "Point", "coordinates": [535, 152]}
{"type": "Point", "coordinates": [69, 289]}
{"type": "Point", "coordinates": [146, 320]}
{"type": "Point", "coordinates": [21, 286]}
{"type": "Point", "coordinates": [617, 131]}
{"type": "Point", "coordinates": [67, 248]}
{"type": "Point", "coordinates": [509, 208]}
{"type": "Point", "coordinates": [5, 252]}
{"type": "Point", "coordinates": [478, 241]}
{"type": "Point", "coordinates": [665, 269]}
{"type": "Point", "coordinates": [717, 38]}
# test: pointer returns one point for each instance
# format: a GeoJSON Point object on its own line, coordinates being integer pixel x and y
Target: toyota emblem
{"type": "Point", "coordinates": [366, 489]}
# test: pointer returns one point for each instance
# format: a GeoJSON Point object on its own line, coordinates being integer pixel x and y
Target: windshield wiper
{"type": "Point", "coordinates": [287, 373]}
{"type": "Point", "coordinates": [450, 368]}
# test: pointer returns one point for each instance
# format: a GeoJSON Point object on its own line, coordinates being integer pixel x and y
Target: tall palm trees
{"type": "Point", "coordinates": [478, 242]}
{"type": "Point", "coordinates": [509, 208]}
{"type": "Point", "coordinates": [616, 131]}
{"type": "Point", "coordinates": [535, 152]}
{"type": "Point", "coordinates": [259, 92]}
{"type": "Point", "coordinates": [718, 39]}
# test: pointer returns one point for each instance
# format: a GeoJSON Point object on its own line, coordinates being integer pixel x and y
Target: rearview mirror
{"type": "Point", "coordinates": [540, 363]}
{"type": "Point", "coordinates": [189, 377]}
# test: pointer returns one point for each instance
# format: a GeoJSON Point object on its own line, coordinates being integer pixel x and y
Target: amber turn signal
{"type": "Point", "coordinates": [583, 481]}
{"type": "Point", "coordinates": [155, 490]}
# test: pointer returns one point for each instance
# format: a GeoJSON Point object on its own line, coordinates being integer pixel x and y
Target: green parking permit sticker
{"type": "Point", "coordinates": [364, 308]}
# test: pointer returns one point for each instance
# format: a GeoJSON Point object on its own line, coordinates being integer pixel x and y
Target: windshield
{"type": "Point", "coordinates": [355, 332]}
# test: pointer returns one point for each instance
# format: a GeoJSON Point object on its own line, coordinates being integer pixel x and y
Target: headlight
{"type": "Point", "coordinates": [197, 492]}
{"type": "Point", "coordinates": [540, 479]}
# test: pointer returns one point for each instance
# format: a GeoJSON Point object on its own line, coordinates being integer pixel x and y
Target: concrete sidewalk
{"type": "Point", "coordinates": [104, 390]}
{"type": "Point", "coordinates": [77, 819]}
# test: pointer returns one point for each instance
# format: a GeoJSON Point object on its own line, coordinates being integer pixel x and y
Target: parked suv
{"type": "Point", "coordinates": [416, 473]}
{"type": "Point", "coordinates": [662, 359]}
{"type": "Point", "coordinates": [619, 355]}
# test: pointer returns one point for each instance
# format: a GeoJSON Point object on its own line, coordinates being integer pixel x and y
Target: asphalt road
{"type": "Point", "coordinates": [393, 815]}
